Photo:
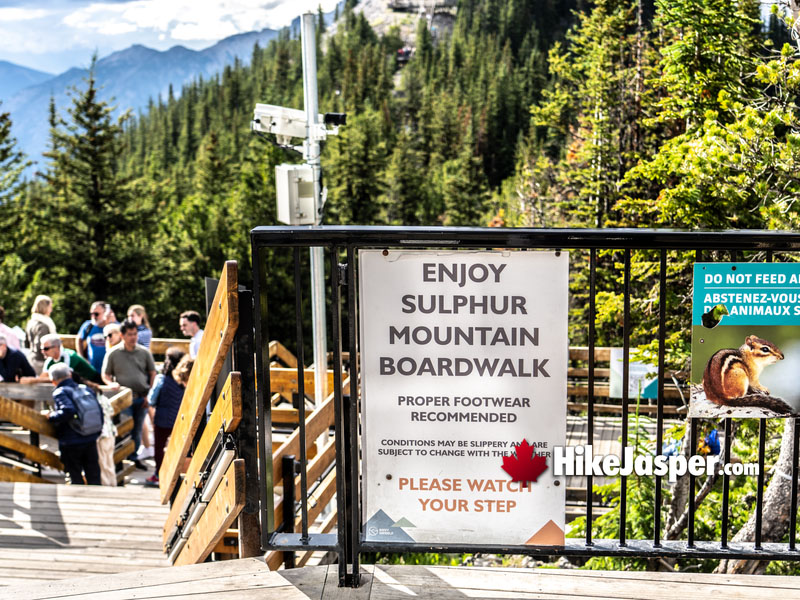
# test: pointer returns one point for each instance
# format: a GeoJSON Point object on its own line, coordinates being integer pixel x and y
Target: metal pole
{"type": "Point", "coordinates": [312, 156]}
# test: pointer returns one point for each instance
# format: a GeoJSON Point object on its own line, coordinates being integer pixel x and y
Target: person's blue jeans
{"type": "Point", "coordinates": [137, 410]}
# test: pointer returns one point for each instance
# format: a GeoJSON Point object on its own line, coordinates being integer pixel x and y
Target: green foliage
{"type": "Point", "coordinates": [639, 509]}
{"type": "Point", "coordinates": [12, 162]}
{"type": "Point", "coordinates": [87, 231]}
{"type": "Point", "coordinates": [12, 276]}
{"type": "Point", "coordinates": [355, 161]}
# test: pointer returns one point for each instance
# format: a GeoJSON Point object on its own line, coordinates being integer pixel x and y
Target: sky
{"type": "Point", "coordinates": [54, 35]}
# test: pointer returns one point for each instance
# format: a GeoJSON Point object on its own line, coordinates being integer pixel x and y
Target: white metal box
{"type": "Point", "coordinates": [294, 185]}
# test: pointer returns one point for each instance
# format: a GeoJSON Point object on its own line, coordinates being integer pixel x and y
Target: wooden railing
{"type": "Point", "coordinates": [206, 490]}
{"type": "Point", "coordinates": [578, 385]}
{"type": "Point", "coordinates": [158, 346]}
{"type": "Point", "coordinates": [35, 423]}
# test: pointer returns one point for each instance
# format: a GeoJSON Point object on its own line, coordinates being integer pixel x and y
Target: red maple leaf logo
{"type": "Point", "coordinates": [524, 465]}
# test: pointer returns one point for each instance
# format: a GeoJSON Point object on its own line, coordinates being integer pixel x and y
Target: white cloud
{"type": "Point", "coordinates": [66, 32]}
{"type": "Point", "coordinates": [190, 19]}
{"type": "Point", "coordinates": [203, 31]}
{"type": "Point", "coordinates": [13, 14]}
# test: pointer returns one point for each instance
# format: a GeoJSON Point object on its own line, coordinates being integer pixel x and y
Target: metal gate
{"type": "Point", "coordinates": [588, 247]}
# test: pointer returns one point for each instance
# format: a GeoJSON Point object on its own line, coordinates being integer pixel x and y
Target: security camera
{"type": "Point", "coordinates": [280, 121]}
{"type": "Point", "coordinates": [287, 123]}
{"type": "Point", "coordinates": [335, 119]}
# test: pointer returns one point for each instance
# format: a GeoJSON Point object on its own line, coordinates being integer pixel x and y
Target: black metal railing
{"type": "Point", "coordinates": [341, 245]}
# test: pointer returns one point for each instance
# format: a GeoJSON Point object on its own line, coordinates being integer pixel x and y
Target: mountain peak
{"type": "Point", "coordinates": [16, 77]}
{"type": "Point", "coordinates": [127, 78]}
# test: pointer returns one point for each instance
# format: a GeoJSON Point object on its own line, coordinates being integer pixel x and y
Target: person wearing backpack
{"type": "Point", "coordinates": [79, 420]}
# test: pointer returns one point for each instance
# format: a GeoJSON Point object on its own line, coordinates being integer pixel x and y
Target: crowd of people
{"type": "Point", "coordinates": [108, 355]}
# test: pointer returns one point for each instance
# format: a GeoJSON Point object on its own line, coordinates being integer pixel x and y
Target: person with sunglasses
{"type": "Point", "coordinates": [91, 343]}
{"type": "Point", "coordinates": [54, 352]}
{"type": "Point", "coordinates": [112, 335]}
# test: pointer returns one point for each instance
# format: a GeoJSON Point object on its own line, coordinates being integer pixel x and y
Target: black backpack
{"type": "Point", "coordinates": [89, 415]}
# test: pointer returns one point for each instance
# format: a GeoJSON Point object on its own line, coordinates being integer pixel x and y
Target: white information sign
{"type": "Point", "coordinates": [463, 356]}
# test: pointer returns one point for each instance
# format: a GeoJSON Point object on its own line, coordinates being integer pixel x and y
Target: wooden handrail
{"type": "Point", "coordinates": [602, 354]}
{"type": "Point", "coordinates": [226, 416]}
{"type": "Point", "coordinates": [222, 510]}
{"type": "Point", "coordinates": [279, 351]}
{"type": "Point", "coordinates": [14, 474]}
{"type": "Point", "coordinates": [284, 381]}
{"type": "Point", "coordinates": [158, 346]}
{"type": "Point", "coordinates": [25, 417]}
{"type": "Point", "coordinates": [31, 452]}
{"type": "Point", "coordinates": [217, 339]}
{"type": "Point", "coordinates": [318, 422]}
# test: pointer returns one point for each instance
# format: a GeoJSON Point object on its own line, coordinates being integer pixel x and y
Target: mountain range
{"type": "Point", "coordinates": [128, 79]}
{"type": "Point", "coordinates": [13, 78]}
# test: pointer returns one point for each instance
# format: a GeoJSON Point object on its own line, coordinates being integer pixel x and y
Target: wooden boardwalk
{"type": "Point", "coordinates": [51, 531]}
{"type": "Point", "coordinates": [249, 579]}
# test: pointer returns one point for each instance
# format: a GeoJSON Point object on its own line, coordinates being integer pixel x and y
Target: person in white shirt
{"type": "Point", "coordinates": [11, 338]}
{"type": "Point", "coordinates": [190, 326]}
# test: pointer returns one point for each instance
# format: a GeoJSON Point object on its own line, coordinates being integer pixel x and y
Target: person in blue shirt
{"type": "Point", "coordinates": [91, 344]}
{"type": "Point", "coordinates": [78, 452]}
{"type": "Point", "coordinates": [13, 363]}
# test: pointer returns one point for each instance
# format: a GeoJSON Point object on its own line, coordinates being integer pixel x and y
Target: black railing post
{"type": "Point", "coordinates": [662, 329]}
{"type": "Point", "coordinates": [342, 516]}
{"type": "Point", "coordinates": [262, 389]}
{"type": "Point", "coordinates": [301, 398]}
{"type": "Point", "coordinates": [352, 420]}
{"type": "Point", "coordinates": [247, 432]}
{"type": "Point", "coordinates": [692, 491]}
{"type": "Point", "coordinates": [626, 348]}
{"type": "Point", "coordinates": [590, 417]}
{"type": "Point", "coordinates": [288, 470]}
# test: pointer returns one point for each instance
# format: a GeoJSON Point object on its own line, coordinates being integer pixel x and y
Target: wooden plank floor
{"type": "Point", "coordinates": [62, 531]}
{"type": "Point", "coordinates": [249, 578]}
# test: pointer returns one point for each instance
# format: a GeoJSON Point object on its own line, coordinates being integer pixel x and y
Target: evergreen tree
{"type": "Point", "coordinates": [406, 196]}
{"type": "Point", "coordinates": [90, 223]}
{"type": "Point", "coordinates": [12, 274]}
{"type": "Point", "coordinates": [586, 120]}
{"type": "Point", "coordinates": [705, 72]}
{"type": "Point", "coordinates": [354, 171]}
{"type": "Point", "coordinates": [12, 162]}
{"type": "Point", "coordinates": [463, 187]}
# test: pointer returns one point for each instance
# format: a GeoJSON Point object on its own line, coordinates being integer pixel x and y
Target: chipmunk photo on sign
{"type": "Point", "coordinates": [745, 343]}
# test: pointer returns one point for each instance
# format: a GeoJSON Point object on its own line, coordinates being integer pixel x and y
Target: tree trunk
{"type": "Point", "coordinates": [775, 518]}
{"type": "Point", "coordinates": [680, 489]}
